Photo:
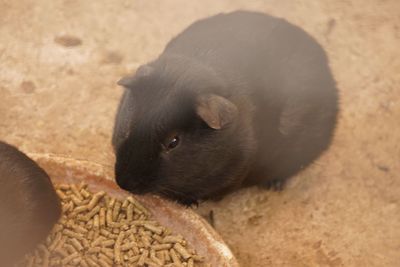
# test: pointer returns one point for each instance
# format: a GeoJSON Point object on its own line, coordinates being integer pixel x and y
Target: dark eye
{"type": "Point", "coordinates": [172, 142]}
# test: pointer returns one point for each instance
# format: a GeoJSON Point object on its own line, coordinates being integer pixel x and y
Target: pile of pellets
{"type": "Point", "coordinates": [97, 230]}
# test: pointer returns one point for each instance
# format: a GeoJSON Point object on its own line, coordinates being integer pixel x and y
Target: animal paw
{"type": "Point", "coordinates": [275, 184]}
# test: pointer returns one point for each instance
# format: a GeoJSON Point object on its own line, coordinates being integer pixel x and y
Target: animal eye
{"type": "Point", "coordinates": [172, 142]}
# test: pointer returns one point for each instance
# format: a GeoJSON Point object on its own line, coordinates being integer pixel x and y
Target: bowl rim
{"type": "Point", "coordinates": [221, 254]}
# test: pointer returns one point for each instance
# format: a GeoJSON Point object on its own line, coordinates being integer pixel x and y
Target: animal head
{"type": "Point", "coordinates": [173, 136]}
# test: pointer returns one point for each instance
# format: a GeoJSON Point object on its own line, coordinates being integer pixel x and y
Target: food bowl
{"type": "Point", "coordinates": [181, 220]}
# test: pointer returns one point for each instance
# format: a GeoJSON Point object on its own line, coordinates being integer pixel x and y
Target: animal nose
{"type": "Point", "coordinates": [132, 186]}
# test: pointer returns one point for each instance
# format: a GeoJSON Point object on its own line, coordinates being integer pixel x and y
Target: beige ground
{"type": "Point", "coordinates": [343, 211]}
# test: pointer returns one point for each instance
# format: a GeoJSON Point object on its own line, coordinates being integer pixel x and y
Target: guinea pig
{"type": "Point", "coordinates": [235, 100]}
{"type": "Point", "coordinates": [29, 206]}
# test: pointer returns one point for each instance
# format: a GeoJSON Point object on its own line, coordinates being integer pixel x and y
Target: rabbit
{"type": "Point", "coordinates": [29, 206]}
{"type": "Point", "coordinates": [235, 100]}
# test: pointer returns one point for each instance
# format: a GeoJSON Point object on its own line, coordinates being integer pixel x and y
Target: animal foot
{"type": "Point", "coordinates": [275, 185]}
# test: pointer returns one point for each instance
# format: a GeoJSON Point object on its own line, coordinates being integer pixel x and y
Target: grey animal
{"type": "Point", "coordinates": [29, 206]}
{"type": "Point", "coordinates": [235, 100]}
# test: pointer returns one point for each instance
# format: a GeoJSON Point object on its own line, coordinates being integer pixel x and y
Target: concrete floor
{"type": "Point", "coordinates": [58, 95]}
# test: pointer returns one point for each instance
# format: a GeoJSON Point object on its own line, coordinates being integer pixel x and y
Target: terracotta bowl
{"type": "Point", "coordinates": [181, 220]}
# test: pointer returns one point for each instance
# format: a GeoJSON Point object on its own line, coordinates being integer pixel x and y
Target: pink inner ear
{"type": "Point", "coordinates": [209, 117]}
{"type": "Point", "coordinates": [216, 111]}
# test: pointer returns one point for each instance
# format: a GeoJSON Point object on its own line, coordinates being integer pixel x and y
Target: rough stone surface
{"type": "Point", "coordinates": [59, 60]}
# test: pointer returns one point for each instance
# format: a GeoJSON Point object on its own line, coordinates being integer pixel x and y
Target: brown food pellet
{"type": "Point", "coordinates": [143, 257]}
{"type": "Point", "coordinates": [154, 229]}
{"type": "Point", "coordinates": [85, 193]}
{"type": "Point", "coordinates": [172, 239]}
{"type": "Point", "coordinates": [97, 230]}
{"type": "Point", "coordinates": [154, 258]}
{"type": "Point", "coordinates": [95, 200]}
{"type": "Point", "coordinates": [175, 258]}
{"type": "Point", "coordinates": [182, 251]}
{"type": "Point", "coordinates": [103, 263]}
{"type": "Point", "coordinates": [162, 247]}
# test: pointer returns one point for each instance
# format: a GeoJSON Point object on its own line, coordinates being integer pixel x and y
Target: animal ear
{"type": "Point", "coordinates": [216, 111]}
{"type": "Point", "coordinates": [142, 71]}
{"type": "Point", "coordinates": [127, 81]}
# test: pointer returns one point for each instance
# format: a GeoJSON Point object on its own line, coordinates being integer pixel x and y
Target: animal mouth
{"type": "Point", "coordinates": [133, 187]}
